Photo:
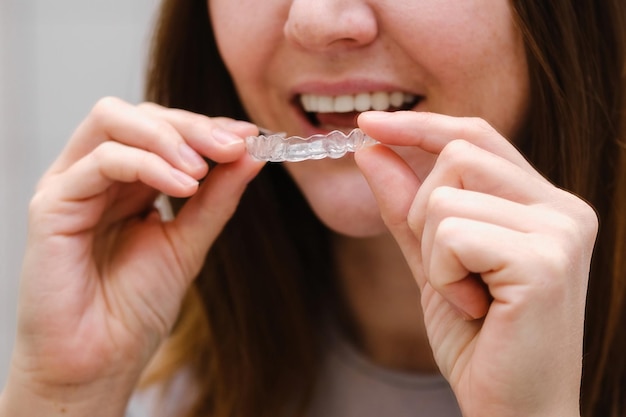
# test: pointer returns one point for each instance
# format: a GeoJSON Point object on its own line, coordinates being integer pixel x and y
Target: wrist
{"type": "Point", "coordinates": [23, 397]}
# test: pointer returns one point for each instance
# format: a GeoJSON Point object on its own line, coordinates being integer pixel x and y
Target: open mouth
{"type": "Point", "coordinates": [342, 110]}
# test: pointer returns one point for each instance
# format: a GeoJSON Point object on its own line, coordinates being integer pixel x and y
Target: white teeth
{"type": "Point", "coordinates": [379, 100]}
{"type": "Point", "coordinates": [325, 104]}
{"type": "Point", "coordinates": [396, 99]}
{"type": "Point", "coordinates": [344, 104]}
{"type": "Point", "coordinates": [362, 102]}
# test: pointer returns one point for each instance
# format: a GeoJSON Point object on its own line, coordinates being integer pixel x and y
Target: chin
{"type": "Point", "coordinates": [357, 231]}
{"type": "Point", "coordinates": [339, 196]}
{"type": "Point", "coordinates": [353, 217]}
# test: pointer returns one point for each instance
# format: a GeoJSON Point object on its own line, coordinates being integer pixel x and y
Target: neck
{"type": "Point", "coordinates": [384, 302]}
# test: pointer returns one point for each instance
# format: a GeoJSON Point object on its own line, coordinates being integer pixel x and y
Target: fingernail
{"type": "Point", "coordinates": [189, 156]}
{"type": "Point", "coordinates": [225, 137]}
{"type": "Point", "coordinates": [183, 178]}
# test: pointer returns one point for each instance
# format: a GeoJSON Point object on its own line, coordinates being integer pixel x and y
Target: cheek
{"type": "Point", "coordinates": [248, 38]}
{"type": "Point", "coordinates": [474, 64]}
{"type": "Point", "coordinates": [242, 35]}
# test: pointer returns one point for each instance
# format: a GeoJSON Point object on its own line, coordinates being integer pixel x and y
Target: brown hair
{"type": "Point", "coordinates": [577, 129]}
{"type": "Point", "coordinates": [268, 279]}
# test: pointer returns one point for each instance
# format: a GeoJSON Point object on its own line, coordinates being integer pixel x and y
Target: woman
{"type": "Point", "coordinates": [324, 250]}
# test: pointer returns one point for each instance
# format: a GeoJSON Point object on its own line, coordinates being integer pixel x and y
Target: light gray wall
{"type": "Point", "coordinates": [56, 59]}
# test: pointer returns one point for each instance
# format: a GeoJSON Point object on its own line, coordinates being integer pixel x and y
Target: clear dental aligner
{"type": "Point", "coordinates": [276, 147]}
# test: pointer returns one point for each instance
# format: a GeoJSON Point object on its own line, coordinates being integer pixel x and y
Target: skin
{"type": "Point", "coordinates": [480, 230]}
{"type": "Point", "coordinates": [454, 218]}
{"type": "Point", "coordinates": [92, 311]}
{"type": "Point", "coordinates": [450, 54]}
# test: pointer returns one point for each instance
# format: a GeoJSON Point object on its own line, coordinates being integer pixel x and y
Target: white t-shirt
{"type": "Point", "coordinates": [349, 386]}
{"type": "Point", "coordinates": [353, 386]}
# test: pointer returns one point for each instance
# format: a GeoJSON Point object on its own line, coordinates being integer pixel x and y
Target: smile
{"type": "Point", "coordinates": [341, 110]}
{"type": "Point", "coordinates": [346, 103]}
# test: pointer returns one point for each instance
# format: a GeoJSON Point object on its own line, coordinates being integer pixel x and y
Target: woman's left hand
{"type": "Point", "coordinates": [500, 254]}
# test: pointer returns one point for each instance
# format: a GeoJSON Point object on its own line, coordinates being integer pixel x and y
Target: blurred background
{"type": "Point", "coordinates": [56, 59]}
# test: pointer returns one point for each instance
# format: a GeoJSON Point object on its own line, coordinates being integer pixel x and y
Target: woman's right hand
{"type": "Point", "coordinates": [103, 274]}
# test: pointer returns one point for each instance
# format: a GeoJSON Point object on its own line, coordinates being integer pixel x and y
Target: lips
{"type": "Point", "coordinates": [341, 110]}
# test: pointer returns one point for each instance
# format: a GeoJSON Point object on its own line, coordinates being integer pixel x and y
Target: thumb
{"type": "Point", "coordinates": [203, 217]}
{"type": "Point", "coordinates": [395, 186]}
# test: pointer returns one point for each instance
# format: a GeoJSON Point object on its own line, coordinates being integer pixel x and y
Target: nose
{"type": "Point", "coordinates": [326, 25]}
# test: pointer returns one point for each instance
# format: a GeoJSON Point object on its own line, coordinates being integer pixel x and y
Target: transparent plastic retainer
{"type": "Point", "coordinates": [277, 147]}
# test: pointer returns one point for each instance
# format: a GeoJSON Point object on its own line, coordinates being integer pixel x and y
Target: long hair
{"type": "Point", "coordinates": [249, 330]}
{"type": "Point", "coordinates": [577, 137]}
{"type": "Point", "coordinates": [267, 281]}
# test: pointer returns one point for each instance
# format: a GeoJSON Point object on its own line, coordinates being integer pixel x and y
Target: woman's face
{"type": "Point", "coordinates": [308, 67]}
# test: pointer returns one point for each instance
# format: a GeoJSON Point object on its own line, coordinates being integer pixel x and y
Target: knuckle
{"type": "Point", "coordinates": [147, 159]}
{"type": "Point", "coordinates": [37, 203]}
{"type": "Point", "coordinates": [563, 225]}
{"type": "Point", "coordinates": [159, 130]}
{"type": "Point", "coordinates": [197, 123]}
{"type": "Point", "coordinates": [104, 107]}
{"type": "Point", "coordinates": [553, 263]}
{"type": "Point", "coordinates": [559, 269]}
{"type": "Point", "coordinates": [441, 200]}
{"type": "Point", "coordinates": [456, 153]}
{"type": "Point", "coordinates": [447, 231]}
{"type": "Point", "coordinates": [589, 220]}
{"type": "Point", "coordinates": [478, 132]}
{"type": "Point", "coordinates": [480, 125]}
{"type": "Point", "coordinates": [102, 152]}
{"type": "Point", "coordinates": [578, 224]}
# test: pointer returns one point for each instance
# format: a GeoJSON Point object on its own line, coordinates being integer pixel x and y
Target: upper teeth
{"type": "Point", "coordinates": [380, 100]}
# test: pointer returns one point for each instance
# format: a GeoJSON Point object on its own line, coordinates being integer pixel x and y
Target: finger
{"type": "Point", "coordinates": [394, 185]}
{"type": "Point", "coordinates": [115, 120]}
{"type": "Point", "coordinates": [468, 181]}
{"type": "Point", "coordinates": [464, 166]}
{"type": "Point", "coordinates": [464, 250]}
{"type": "Point", "coordinates": [220, 139]}
{"type": "Point", "coordinates": [432, 132]}
{"type": "Point", "coordinates": [178, 136]}
{"type": "Point", "coordinates": [202, 218]}
{"type": "Point", "coordinates": [446, 201]}
{"type": "Point", "coordinates": [114, 162]}
{"type": "Point", "coordinates": [519, 269]}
